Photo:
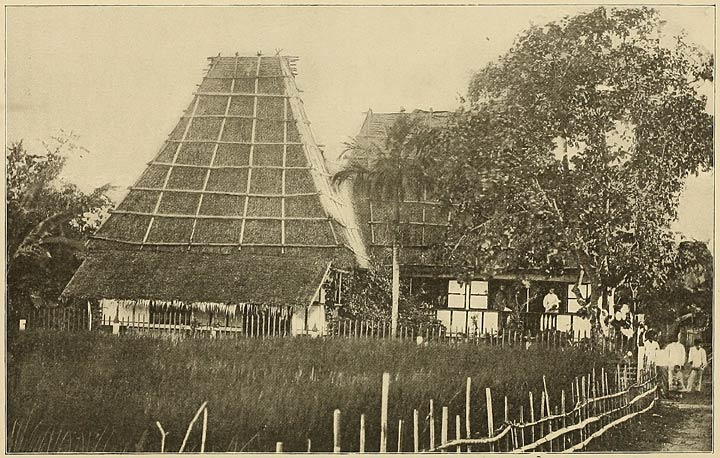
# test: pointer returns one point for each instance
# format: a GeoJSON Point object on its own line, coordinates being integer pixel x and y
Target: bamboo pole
{"type": "Point", "coordinates": [532, 418]}
{"type": "Point", "coordinates": [204, 430]}
{"type": "Point", "coordinates": [491, 426]}
{"type": "Point", "coordinates": [400, 436]}
{"type": "Point", "coordinates": [458, 432]}
{"type": "Point", "coordinates": [309, 445]}
{"type": "Point", "coordinates": [522, 428]}
{"type": "Point", "coordinates": [444, 426]}
{"type": "Point", "coordinates": [431, 418]}
{"type": "Point", "coordinates": [362, 433]}
{"type": "Point", "coordinates": [564, 418]}
{"type": "Point", "coordinates": [384, 411]}
{"type": "Point", "coordinates": [336, 431]}
{"type": "Point", "coordinates": [192, 422]}
{"type": "Point", "coordinates": [547, 396]}
{"type": "Point", "coordinates": [468, 387]}
{"type": "Point", "coordinates": [416, 431]}
{"type": "Point", "coordinates": [162, 440]}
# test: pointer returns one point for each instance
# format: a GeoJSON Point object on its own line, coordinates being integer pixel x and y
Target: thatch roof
{"type": "Point", "coordinates": [240, 171]}
{"type": "Point", "coordinates": [200, 277]}
{"type": "Point", "coordinates": [425, 219]}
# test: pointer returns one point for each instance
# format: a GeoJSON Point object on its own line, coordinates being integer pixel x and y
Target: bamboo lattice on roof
{"type": "Point", "coordinates": [240, 168]}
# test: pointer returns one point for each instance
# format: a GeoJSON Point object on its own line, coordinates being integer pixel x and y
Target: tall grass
{"type": "Point", "coordinates": [258, 391]}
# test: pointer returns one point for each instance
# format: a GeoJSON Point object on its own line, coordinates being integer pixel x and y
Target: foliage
{"type": "Point", "coordinates": [395, 168]}
{"type": "Point", "coordinates": [390, 171]}
{"type": "Point", "coordinates": [260, 391]}
{"type": "Point", "coordinates": [48, 221]}
{"type": "Point", "coordinates": [688, 291]}
{"type": "Point", "coordinates": [574, 151]}
{"type": "Point", "coordinates": [367, 295]}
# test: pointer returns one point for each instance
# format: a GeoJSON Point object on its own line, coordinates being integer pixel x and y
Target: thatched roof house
{"type": "Point", "coordinates": [236, 208]}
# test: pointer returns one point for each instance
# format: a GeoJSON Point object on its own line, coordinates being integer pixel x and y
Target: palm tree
{"type": "Point", "coordinates": [392, 170]}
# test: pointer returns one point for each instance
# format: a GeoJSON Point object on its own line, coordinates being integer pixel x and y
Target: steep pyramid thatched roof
{"type": "Point", "coordinates": [425, 220]}
{"type": "Point", "coordinates": [240, 179]}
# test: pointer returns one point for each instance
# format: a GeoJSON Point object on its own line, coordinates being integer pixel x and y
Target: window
{"type": "Point", "coordinates": [479, 295]}
{"type": "Point", "coordinates": [473, 295]}
{"type": "Point", "coordinates": [456, 294]}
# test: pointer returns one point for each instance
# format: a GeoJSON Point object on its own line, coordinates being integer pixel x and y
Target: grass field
{"type": "Point", "coordinates": [94, 392]}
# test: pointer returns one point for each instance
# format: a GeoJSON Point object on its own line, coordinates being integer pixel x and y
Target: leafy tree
{"type": "Point", "coordinates": [688, 291]}
{"type": "Point", "coordinates": [574, 150]}
{"type": "Point", "coordinates": [394, 169]}
{"type": "Point", "coordinates": [48, 222]}
{"type": "Point", "coordinates": [367, 295]}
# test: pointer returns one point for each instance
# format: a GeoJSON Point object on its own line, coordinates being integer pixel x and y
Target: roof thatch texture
{"type": "Point", "coordinates": [200, 277]}
{"type": "Point", "coordinates": [240, 171]}
{"type": "Point", "coordinates": [241, 168]}
{"type": "Point", "coordinates": [424, 219]}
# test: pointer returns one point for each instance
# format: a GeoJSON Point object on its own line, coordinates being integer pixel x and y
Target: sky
{"type": "Point", "coordinates": [120, 77]}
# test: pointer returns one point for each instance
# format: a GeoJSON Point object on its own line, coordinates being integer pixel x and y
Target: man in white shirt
{"type": "Point", "coordinates": [551, 302]}
{"type": "Point", "coordinates": [675, 361]}
{"type": "Point", "coordinates": [652, 347]}
{"type": "Point", "coordinates": [698, 360]}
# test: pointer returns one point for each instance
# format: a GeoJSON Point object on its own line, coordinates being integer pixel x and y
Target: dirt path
{"type": "Point", "coordinates": [682, 424]}
{"type": "Point", "coordinates": [694, 431]}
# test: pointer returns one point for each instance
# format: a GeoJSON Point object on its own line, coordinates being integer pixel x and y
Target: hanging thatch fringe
{"type": "Point", "coordinates": [126, 306]}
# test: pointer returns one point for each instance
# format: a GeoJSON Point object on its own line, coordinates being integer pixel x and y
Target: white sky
{"type": "Point", "coordinates": [119, 77]}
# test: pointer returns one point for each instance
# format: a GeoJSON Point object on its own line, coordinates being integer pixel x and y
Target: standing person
{"type": "Point", "coordinates": [675, 360]}
{"type": "Point", "coordinates": [656, 357]}
{"type": "Point", "coordinates": [551, 302]}
{"type": "Point", "coordinates": [698, 361]}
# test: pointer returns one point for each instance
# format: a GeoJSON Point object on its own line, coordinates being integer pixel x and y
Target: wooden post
{"type": "Point", "coordinates": [542, 414]}
{"type": "Point", "coordinates": [458, 432]}
{"type": "Point", "coordinates": [309, 445]}
{"type": "Point", "coordinates": [431, 418]}
{"type": "Point", "coordinates": [278, 447]}
{"type": "Point", "coordinates": [506, 416]}
{"type": "Point", "coordinates": [400, 431]}
{"type": "Point", "coordinates": [444, 426]}
{"type": "Point", "coordinates": [362, 433]}
{"type": "Point", "coordinates": [336, 431]}
{"type": "Point", "coordinates": [564, 419]}
{"type": "Point", "coordinates": [522, 427]}
{"type": "Point", "coordinates": [204, 430]}
{"type": "Point", "coordinates": [547, 396]}
{"type": "Point", "coordinates": [491, 426]}
{"type": "Point", "coordinates": [532, 418]}
{"type": "Point", "coordinates": [468, 386]}
{"type": "Point", "coordinates": [416, 431]}
{"type": "Point", "coordinates": [384, 411]}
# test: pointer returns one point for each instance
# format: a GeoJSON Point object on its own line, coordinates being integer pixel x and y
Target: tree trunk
{"type": "Point", "coordinates": [395, 290]}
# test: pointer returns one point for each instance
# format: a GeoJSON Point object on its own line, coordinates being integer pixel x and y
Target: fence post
{"type": "Point", "coordinates": [384, 411]}
{"type": "Point", "coordinates": [564, 418]}
{"type": "Point", "coordinates": [431, 418]}
{"type": "Point", "coordinates": [522, 427]}
{"type": "Point", "coordinates": [468, 386]}
{"type": "Point", "coordinates": [416, 431]}
{"type": "Point", "coordinates": [309, 445]}
{"type": "Point", "coordinates": [458, 432]}
{"type": "Point", "coordinates": [491, 426]}
{"type": "Point", "coordinates": [362, 433]}
{"type": "Point", "coordinates": [278, 447]}
{"type": "Point", "coordinates": [532, 418]}
{"type": "Point", "coordinates": [444, 426]}
{"type": "Point", "coordinates": [400, 431]}
{"type": "Point", "coordinates": [336, 431]}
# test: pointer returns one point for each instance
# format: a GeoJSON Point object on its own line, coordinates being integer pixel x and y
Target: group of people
{"type": "Point", "coordinates": [671, 360]}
